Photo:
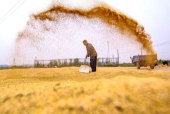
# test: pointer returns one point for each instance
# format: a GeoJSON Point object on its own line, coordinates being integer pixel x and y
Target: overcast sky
{"type": "Point", "coordinates": [154, 15]}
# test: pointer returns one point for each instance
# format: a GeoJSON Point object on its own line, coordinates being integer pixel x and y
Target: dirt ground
{"type": "Point", "coordinates": [66, 91]}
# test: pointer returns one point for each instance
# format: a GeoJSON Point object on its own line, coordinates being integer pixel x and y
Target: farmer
{"type": "Point", "coordinates": [92, 53]}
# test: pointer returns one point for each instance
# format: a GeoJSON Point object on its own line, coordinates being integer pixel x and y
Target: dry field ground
{"type": "Point", "coordinates": [66, 91]}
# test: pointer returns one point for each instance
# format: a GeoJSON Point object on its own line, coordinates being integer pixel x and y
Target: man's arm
{"type": "Point", "coordinates": [88, 52]}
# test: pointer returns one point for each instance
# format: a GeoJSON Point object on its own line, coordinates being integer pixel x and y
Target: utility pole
{"type": "Point", "coordinates": [35, 62]}
{"type": "Point", "coordinates": [14, 62]}
{"type": "Point", "coordinates": [108, 56]}
{"type": "Point", "coordinates": [118, 55]}
{"type": "Point", "coordinates": [113, 59]}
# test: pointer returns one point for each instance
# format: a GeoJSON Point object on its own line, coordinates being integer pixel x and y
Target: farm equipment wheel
{"type": "Point", "coordinates": [138, 65]}
{"type": "Point", "coordinates": [152, 66]}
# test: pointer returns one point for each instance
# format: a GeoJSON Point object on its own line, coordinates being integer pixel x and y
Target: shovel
{"type": "Point", "coordinates": [84, 68]}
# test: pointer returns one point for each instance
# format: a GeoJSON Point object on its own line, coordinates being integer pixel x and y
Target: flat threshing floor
{"type": "Point", "coordinates": [110, 90]}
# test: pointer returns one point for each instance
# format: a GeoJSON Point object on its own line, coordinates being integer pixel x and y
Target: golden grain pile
{"type": "Point", "coordinates": [162, 66]}
{"type": "Point", "coordinates": [66, 91]}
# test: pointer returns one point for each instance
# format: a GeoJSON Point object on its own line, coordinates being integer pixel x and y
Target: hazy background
{"type": "Point", "coordinates": [152, 14]}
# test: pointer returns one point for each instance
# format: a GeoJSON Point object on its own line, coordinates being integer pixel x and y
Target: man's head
{"type": "Point", "coordinates": [85, 42]}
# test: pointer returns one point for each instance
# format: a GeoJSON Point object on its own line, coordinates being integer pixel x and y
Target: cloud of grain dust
{"type": "Point", "coordinates": [59, 32]}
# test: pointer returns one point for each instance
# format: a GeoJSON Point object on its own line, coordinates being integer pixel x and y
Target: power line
{"type": "Point", "coordinates": [130, 51]}
{"type": "Point", "coordinates": [11, 11]}
{"type": "Point", "coordinates": [164, 52]}
{"type": "Point", "coordinates": [163, 43]}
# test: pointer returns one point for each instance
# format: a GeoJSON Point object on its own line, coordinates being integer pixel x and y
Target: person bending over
{"type": "Point", "coordinates": [91, 52]}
